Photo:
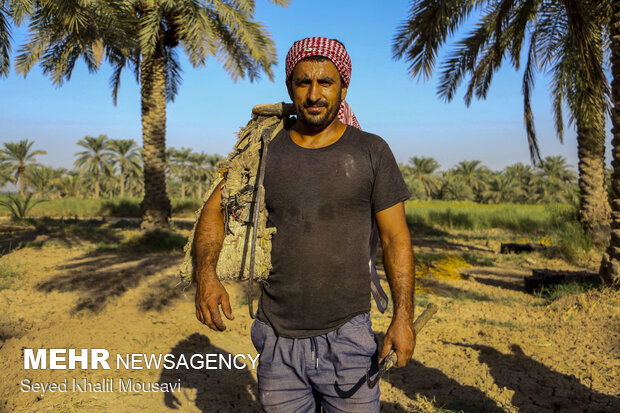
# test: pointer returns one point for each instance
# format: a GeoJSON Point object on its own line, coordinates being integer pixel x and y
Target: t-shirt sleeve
{"type": "Point", "coordinates": [389, 187]}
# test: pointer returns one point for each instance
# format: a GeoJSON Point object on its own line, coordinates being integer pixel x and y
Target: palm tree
{"type": "Point", "coordinates": [71, 184]}
{"type": "Point", "coordinates": [502, 188]}
{"type": "Point", "coordinates": [422, 169]}
{"type": "Point", "coordinates": [125, 155]}
{"type": "Point", "coordinates": [473, 175]}
{"type": "Point", "coordinates": [564, 38]}
{"type": "Point", "coordinates": [5, 174]}
{"type": "Point", "coordinates": [144, 36]}
{"type": "Point", "coordinates": [556, 168]}
{"type": "Point", "coordinates": [454, 187]}
{"type": "Point", "coordinates": [524, 175]}
{"type": "Point", "coordinates": [18, 156]}
{"type": "Point", "coordinates": [180, 160]}
{"type": "Point", "coordinates": [203, 169]}
{"type": "Point", "coordinates": [610, 271]}
{"type": "Point", "coordinates": [43, 179]}
{"type": "Point", "coordinates": [15, 10]}
{"type": "Point", "coordinates": [96, 159]}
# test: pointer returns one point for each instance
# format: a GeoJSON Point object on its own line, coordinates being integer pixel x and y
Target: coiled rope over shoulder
{"type": "Point", "coordinates": [244, 254]}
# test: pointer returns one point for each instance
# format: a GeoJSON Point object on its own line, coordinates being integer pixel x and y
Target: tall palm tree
{"type": "Point", "coordinates": [18, 156]}
{"type": "Point", "coordinates": [422, 169]}
{"type": "Point", "coordinates": [474, 175]}
{"type": "Point", "coordinates": [125, 155]}
{"type": "Point", "coordinates": [96, 159]}
{"type": "Point", "coordinates": [610, 264]}
{"type": "Point", "coordinates": [144, 36]}
{"type": "Point", "coordinates": [565, 38]}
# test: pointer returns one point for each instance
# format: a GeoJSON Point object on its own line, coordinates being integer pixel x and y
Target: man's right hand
{"type": "Point", "coordinates": [210, 295]}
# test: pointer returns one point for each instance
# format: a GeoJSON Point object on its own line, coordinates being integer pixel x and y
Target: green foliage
{"type": "Point", "coordinates": [557, 37]}
{"type": "Point", "coordinates": [120, 207]}
{"type": "Point", "coordinates": [185, 207]}
{"type": "Point", "coordinates": [96, 159]}
{"type": "Point", "coordinates": [557, 291]}
{"type": "Point", "coordinates": [534, 219]}
{"type": "Point", "coordinates": [420, 178]}
{"type": "Point", "coordinates": [18, 156]}
{"type": "Point", "coordinates": [102, 207]}
{"type": "Point", "coordinates": [572, 242]}
{"type": "Point", "coordinates": [19, 207]}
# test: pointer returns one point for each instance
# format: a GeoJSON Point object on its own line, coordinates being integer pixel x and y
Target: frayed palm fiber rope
{"type": "Point", "coordinates": [240, 170]}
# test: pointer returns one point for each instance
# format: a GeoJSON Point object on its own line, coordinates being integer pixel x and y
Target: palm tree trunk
{"type": "Point", "coordinates": [610, 272]}
{"type": "Point", "coordinates": [96, 185]}
{"type": "Point", "coordinates": [20, 178]}
{"type": "Point", "coordinates": [155, 205]}
{"type": "Point", "coordinates": [183, 187]}
{"type": "Point", "coordinates": [593, 204]}
{"type": "Point", "coordinates": [122, 179]}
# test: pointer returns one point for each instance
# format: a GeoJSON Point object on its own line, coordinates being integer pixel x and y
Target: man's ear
{"type": "Point", "coordinates": [289, 87]}
{"type": "Point", "coordinates": [343, 93]}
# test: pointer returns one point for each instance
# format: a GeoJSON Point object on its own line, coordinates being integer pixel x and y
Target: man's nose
{"type": "Point", "coordinates": [314, 93]}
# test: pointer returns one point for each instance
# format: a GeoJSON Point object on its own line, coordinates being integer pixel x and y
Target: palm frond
{"type": "Point", "coordinates": [5, 42]}
{"type": "Point", "coordinates": [430, 23]}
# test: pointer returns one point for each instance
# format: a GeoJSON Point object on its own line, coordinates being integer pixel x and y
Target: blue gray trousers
{"type": "Point", "coordinates": [295, 375]}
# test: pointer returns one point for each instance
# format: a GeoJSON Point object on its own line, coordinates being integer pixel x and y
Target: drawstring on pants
{"type": "Point", "coordinates": [314, 348]}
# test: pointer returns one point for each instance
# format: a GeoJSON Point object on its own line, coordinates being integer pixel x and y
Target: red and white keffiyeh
{"type": "Point", "coordinates": [334, 51]}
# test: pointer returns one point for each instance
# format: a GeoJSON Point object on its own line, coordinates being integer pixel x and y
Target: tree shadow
{"type": "Point", "coordinates": [221, 390]}
{"type": "Point", "coordinates": [498, 277]}
{"type": "Point", "coordinates": [96, 283]}
{"type": "Point", "coordinates": [432, 383]}
{"type": "Point", "coordinates": [161, 294]}
{"type": "Point", "coordinates": [448, 245]}
{"type": "Point", "coordinates": [69, 232]}
{"type": "Point", "coordinates": [537, 387]}
{"type": "Point", "coordinates": [418, 226]}
{"type": "Point", "coordinates": [416, 378]}
{"type": "Point", "coordinates": [13, 237]}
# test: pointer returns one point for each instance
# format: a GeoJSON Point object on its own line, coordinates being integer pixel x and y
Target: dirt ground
{"type": "Point", "coordinates": [491, 347]}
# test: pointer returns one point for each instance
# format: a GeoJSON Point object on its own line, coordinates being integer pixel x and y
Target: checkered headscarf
{"type": "Point", "coordinates": [334, 51]}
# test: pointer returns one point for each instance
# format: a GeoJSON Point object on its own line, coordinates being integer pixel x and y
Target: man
{"type": "Point", "coordinates": [325, 183]}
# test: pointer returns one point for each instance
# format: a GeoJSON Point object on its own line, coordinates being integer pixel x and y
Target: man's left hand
{"type": "Point", "coordinates": [400, 337]}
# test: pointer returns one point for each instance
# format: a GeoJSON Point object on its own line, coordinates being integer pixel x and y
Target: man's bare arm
{"type": "Point", "coordinates": [210, 293]}
{"type": "Point", "coordinates": [399, 269]}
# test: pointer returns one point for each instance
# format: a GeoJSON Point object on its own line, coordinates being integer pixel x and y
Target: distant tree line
{"type": "Point", "coordinates": [552, 181]}
{"type": "Point", "coordinates": [113, 168]}
{"type": "Point", "coordinates": [103, 168]}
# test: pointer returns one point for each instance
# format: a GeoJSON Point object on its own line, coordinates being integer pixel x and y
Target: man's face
{"type": "Point", "coordinates": [316, 90]}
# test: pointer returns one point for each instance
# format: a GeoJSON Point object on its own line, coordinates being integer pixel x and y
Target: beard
{"type": "Point", "coordinates": [318, 121]}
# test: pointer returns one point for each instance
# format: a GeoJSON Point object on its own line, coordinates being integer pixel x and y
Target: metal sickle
{"type": "Point", "coordinates": [391, 359]}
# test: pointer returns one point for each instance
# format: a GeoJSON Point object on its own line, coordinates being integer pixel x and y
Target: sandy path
{"type": "Point", "coordinates": [491, 348]}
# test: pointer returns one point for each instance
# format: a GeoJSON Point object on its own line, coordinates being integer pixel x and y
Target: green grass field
{"type": "Point", "coordinates": [102, 207]}
{"type": "Point", "coordinates": [520, 218]}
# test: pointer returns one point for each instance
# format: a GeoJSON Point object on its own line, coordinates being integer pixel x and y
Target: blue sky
{"type": "Point", "coordinates": [210, 107]}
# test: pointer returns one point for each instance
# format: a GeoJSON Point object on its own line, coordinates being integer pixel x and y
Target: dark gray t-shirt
{"type": "Point", "coordinates": [322, 202]}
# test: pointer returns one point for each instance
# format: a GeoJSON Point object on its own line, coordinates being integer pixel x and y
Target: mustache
{"type": "Point", "coordinates": [309, 103]}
